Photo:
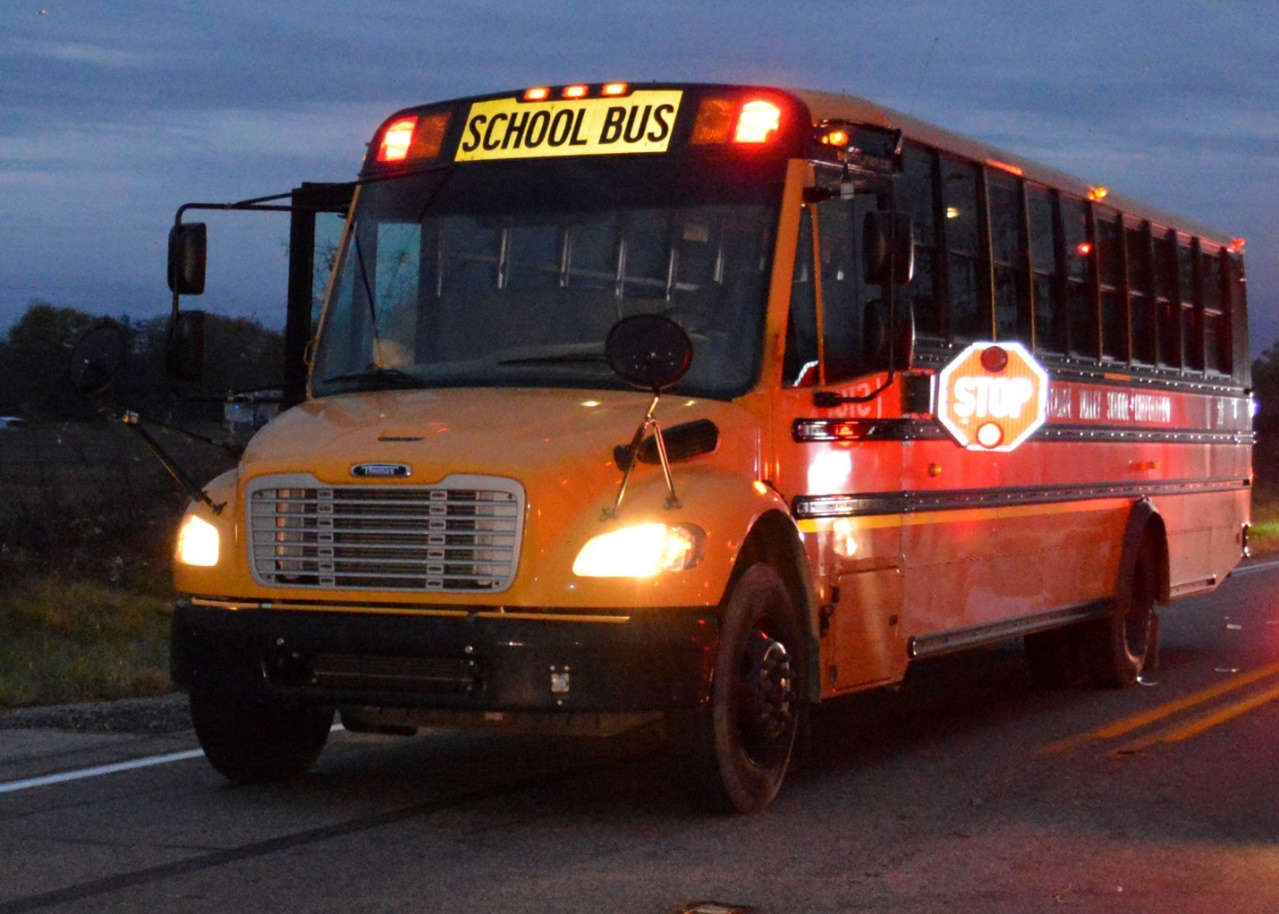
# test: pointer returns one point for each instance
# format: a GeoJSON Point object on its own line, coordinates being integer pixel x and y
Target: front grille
{"type": "Point", "coordinates": [461, 536]}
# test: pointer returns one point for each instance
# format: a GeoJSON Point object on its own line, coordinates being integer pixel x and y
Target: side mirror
{"type": "Point", "coordinates": [888, 248]}
{"type": "Point", "coordinates": [188, 254]}
{"type": "Point", "coordinates": [186, 346]}
{"type": "Point", "coordinates": [648, 351]}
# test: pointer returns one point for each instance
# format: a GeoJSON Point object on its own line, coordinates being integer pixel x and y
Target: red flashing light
{"type": "Point", "coordinates": [1084, 248]}
{"type": "Point", "coordinates": [758, 122]}
{"type": "Point", "coordinates": [396, 140]}
{"type": "Point", "coordinates": [994, 359]}
{"type": "Point", "coordinates": [413, 138]}
{"type": "Point", "coordinates": [1237, 245]}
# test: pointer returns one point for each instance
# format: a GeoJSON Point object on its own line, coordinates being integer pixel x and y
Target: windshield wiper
{"type": "Point", "coordinates": [379, 379]}
{"type": "Point", "coordinates": [564, 358]}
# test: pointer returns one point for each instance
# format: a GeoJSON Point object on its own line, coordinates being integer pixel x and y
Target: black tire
{"type": "Point", "coordinates": [733, 754]}
{"type": "Point", "coordinates": [251, 742]}
{"type": "Point", "coordinates": [1125, 644]}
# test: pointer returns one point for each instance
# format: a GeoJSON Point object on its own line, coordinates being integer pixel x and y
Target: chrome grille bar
{"type": "Point", "coordinates": [460, 536]}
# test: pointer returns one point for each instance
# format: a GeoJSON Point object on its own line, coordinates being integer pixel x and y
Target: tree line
{"type": "Point", "coordinates": [35, 360]}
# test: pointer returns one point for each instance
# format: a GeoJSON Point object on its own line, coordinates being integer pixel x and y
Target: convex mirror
{"type": "Point", "coordinates": [648, 351]}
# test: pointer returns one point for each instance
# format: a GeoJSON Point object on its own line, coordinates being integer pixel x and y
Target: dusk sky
{"type": "Point", "coordinates": [115, 112]}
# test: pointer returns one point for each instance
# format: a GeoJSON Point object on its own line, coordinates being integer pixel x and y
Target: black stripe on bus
{"type": "Point", "coordinates": [805, 507]}
{"type": "Point", "coordinates": [805, 431]}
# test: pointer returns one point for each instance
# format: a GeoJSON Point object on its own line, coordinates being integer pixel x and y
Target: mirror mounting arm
{"type": "Point", "coordinates": [193, 489]}
{"type": "Point", "coordinates": [650, 423]}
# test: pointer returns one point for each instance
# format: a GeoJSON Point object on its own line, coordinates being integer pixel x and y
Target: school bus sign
{"type": "Point", "coordinates": [992, 397]}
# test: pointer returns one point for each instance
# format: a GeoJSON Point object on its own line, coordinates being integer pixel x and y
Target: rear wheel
{"type": "Point", "coordinates": [248, 741]}
{"type": "Point", "coordinates": [1123, 645]}
{"type": "Point", "coordinates": [733, 754]}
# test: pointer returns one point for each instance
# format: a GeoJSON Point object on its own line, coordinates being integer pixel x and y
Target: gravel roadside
{"type": "Point", "coordinates": [152, 716]}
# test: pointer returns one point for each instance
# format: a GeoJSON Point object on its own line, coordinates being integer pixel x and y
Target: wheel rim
{"type": "Point", "coordinates": [765, 697]}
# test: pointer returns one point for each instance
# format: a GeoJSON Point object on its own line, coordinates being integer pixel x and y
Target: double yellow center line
{"type": "Point", "coordinates": [1179, 725]}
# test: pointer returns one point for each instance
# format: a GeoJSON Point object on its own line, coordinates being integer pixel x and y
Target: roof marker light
{"type": "Point", "coordinates": [396, 140]}
{"type": "Point", "coordinates": [1098, 193]}
{"type": "Point", "coordinates": [575, 91]}
{"type": "Point", "coordinates": [612, 90]}
{"type": "Point", "coordinates": [757, 123]}
{"type": "Point", "coordinates": [537, 94]}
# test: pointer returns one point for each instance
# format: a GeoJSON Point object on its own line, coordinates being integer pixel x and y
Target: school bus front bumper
{"type": "Point", "coordinates": [478, 659]}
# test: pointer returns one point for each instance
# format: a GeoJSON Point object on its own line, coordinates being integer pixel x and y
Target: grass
{"type": "Point", "coordinates": [1264, 535]}
{"type": "Point", "coordinates": [80, 641]}
{"type": "Point", "coordinates": [87, 518]}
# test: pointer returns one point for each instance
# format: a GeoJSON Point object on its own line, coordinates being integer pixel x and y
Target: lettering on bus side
{"type": "Point", "coordinates": [510, 129]}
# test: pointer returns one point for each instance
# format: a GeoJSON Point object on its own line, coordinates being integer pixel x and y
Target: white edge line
{"type": "Point", "coordinates": [99, 770]}
{"type": "Point", "coordinates": [1269, 565]}
{"type": "Point", "coordinates": [113, 768]}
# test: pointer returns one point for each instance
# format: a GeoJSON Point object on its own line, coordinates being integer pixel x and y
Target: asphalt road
{"type": "Point", "coordinates": [968, 789]}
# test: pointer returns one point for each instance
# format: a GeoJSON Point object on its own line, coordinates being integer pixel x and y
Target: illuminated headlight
{"type": "Point", "coordinates": [640, 552]}
{"type": "Point", "coordinates": [197, 542]}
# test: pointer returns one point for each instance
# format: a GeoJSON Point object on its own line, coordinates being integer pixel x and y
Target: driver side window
{"type": "Point", "coordinates": [853, 325]}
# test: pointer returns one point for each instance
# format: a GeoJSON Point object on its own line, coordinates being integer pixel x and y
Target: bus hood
{"type": "Point", "coordinates": [562, 437]}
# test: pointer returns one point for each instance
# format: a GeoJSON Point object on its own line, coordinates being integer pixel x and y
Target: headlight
{"type": "Point", "coordinates": [197, 542]}
{"type": "Point", "coordinates": [640, 552]}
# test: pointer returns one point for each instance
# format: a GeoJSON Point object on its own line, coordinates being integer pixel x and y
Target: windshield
{"type": "Point", "coordinates": [513, 274]}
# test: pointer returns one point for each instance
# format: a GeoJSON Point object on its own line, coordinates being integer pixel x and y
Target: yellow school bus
{"type": "Point", "coordinates": [697, 405]}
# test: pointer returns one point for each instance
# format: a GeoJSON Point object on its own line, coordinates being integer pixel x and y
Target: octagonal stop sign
{"type": "Point", "coordinates": [992, 397]}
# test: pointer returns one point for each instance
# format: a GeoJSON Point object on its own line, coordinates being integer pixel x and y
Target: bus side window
{"type": "Point", "coordinates": [1114, 309]}
{"type": "Point", "coordinates": [1167, 299]}
{"type": "Point", "coordinates": [1192, 341]}
{"type": "Point", "coordinates": [1008, 247]}
{"type": "Point", "coordinates": [1140, 301]}
{"type": "Point", "coordinates": [1046, 280]}
{"type": "Point", "coordinates": [919, 198]}
{"type": "Point", "coordinates": [964, 243]}
{"type": "Point", "coordinates": [1215, 327]}
{"type": "Point", "coordinates": [799, 366]}
{"type": "Point", "coordinates": [1078, 251]}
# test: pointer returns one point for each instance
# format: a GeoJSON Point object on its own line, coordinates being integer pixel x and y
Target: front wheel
{"type": "Point", "coordinates": [733, 753]}
{"type": "Point", "coordinates": [249, 742]}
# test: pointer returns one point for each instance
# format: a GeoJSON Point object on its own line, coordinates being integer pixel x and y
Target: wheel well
{"type": "Point", "coordinates": [773, 541]}
{"type": "Point", "coordinates": [1146, 528]}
